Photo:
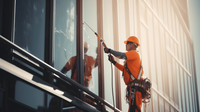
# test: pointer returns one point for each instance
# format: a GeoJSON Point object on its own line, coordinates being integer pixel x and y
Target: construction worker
{"type": "Point", "coordinates": [132, 61]}
{"type": "Point", "coordinates": [89, 64]}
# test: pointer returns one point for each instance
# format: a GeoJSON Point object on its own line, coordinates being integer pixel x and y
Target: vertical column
{"type": "Point", "coordinates": [49, 43]}
{"type": "Point", "coordinates": [116, 47]}
{"type": "Point", "coordinates": [80, 48]}
{"type": "Point", "coordinates": [49, 37]}
{"type": "Point", "coordinates": [100, 48]}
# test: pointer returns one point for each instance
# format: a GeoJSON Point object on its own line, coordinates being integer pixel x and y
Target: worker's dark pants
{"type": "Point", "coordinates": [133, 105]}
{"type": "Point", "coordinates": [133, 102]}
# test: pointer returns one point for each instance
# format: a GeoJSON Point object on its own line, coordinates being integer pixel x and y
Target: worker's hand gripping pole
{"type": "Point", "coordinates": [101, 40]}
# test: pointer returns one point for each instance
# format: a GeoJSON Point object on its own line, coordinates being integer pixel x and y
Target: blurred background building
{"type": "Point", "coordinates": [38, 37]}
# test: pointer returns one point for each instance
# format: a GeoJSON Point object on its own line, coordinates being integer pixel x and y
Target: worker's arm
{"type": "Point", "coordinates": [119, 66]}
{"type": "Point", "coordinates": [67, 66]}
{"type": "Point", "coordinates": [112, 60]}
{"type": "Point", "coordinates": [64, 70]}
{"type": "Point", "coordinates": [117, 54]}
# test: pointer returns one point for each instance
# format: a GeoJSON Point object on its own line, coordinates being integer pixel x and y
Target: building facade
{"type": "Point", "coordinates": [40, 37]}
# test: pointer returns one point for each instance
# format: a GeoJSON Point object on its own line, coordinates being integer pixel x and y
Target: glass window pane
{"type": "Point", "coordinates": [90, 17]}
{"type": "Point", "coordinates": [108, 37]}
{"type": "Point", "coordinates": [28, 95]}
{"type": "Point", "coordinates": [65, 37]}
{"type": "Point", "coordinates": [30, 26]}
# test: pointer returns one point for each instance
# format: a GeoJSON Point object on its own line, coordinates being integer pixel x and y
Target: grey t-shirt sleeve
{"type": "Point", "coordinates": [117, 54]}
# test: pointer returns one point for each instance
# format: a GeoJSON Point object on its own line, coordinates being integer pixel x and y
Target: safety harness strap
{"type": "Point", "coordinates": [129, 72]}
{"type": "Point", "coordinates": [140, 73]}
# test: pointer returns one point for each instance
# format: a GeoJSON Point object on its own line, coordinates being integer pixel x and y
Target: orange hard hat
{"type": "Point", "coordinates": [132, 39]}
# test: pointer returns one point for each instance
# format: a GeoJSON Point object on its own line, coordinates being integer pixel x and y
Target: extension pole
{"type": "Point", "coordinates": [101, 40]}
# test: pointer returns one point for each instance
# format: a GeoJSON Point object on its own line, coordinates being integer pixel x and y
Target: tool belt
{"type": "Point", "coordinates": [143, 86]}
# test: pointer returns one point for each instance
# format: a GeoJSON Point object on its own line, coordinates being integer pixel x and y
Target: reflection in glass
{"type": "Point", "coordinates": [89, 64]}
{"type": "Point", "coordinates": [90, 46]}
{"type": "Point", "coordinates": [65, 33]}
{"type": "Point", "coordinates": [30, 26]}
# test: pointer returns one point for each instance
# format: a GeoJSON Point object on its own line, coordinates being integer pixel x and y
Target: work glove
{"type": "Point", "coordinates": [106, 50]}
{"type": "Point", "coordinates": [111, 59]}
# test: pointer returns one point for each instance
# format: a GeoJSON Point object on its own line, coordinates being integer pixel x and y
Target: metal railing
{"type": "Point", "coordinates": [53, 70]}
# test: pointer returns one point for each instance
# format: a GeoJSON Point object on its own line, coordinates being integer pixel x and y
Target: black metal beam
{"type": "Point", "coordinates": [53, 70]}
